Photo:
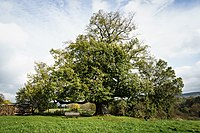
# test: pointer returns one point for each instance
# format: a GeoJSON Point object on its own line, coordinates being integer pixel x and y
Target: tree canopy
{"type": "Point", "coordinates": [110, 27]}
{"type": "Point", "coordinates": [2, 98]}
{"type": "Point", "coordinates": [101, 66]}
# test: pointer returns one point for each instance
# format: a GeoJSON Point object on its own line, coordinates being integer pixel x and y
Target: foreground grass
{"type": "Point", "coordinates": [49, 124]}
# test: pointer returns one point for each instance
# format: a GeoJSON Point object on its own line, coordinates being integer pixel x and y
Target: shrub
{"type": "Point", "coordinates": [118, 107]}
{"type": "Point", "coordinates": [59, 112]}
{"type": "Point", "coordinates": [86, 113]}
{"type": "Point", "coordinates": [88, 107]}
{"type": "Point", "coordinates": [75, 107]}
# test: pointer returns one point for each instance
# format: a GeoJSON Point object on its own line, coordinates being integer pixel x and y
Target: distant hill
{"type": "Point", "coordinates": [191, 94]}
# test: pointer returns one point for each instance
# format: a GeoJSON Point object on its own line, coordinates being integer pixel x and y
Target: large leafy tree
{"type": "Point", "coordinates": [101, 66]}
{"type": "Point", "coordinates": [100, 71]}
{"type": "Point", "coordinates": [101, 61]}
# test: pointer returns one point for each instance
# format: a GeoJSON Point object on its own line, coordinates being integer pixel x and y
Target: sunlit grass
{"type": "Point", "coordinates": [17, 124]}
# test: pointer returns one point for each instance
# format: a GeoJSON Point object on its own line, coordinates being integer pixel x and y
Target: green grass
{"type": "Point", "coordinates": [107, 124]}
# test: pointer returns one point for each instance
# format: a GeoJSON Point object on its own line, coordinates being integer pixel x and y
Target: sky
{"type": "Point", "coordinates": [30, 28]}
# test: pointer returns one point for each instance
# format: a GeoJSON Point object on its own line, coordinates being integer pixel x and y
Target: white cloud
{"type": "Point", "coordinates": [148, 6]}
{"type": "Point", "coordinates": [12, 34]}
{"type": "Point", "coordinates": [172, 33]}
{"type": "Point", "coordinates": [48, 29]}
{"type": "Point", "coordinates": [177, 33]}
{"type": "Point", "coordinates": [18, 66]}
{"type": "Point", "coordinates": [13, 40]}
{"type": "Point", "coordinates": [100, 5]}
{"type": "Point", "coordinates": [8, 90]}
{"type": "Point", "coordinates": [191, 77]}
{"type": "Point", "coordinates": [28, 31]}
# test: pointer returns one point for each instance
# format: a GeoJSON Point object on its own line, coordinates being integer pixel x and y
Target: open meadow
{"type": "Point", "coordinates": [49, 124]}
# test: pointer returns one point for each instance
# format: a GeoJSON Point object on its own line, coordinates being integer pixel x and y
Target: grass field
{"type": "Point", "coordinates": [107, 124]}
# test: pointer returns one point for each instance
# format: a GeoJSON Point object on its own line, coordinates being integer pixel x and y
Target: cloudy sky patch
{"type": "Point", "coordinates": [29, 29]}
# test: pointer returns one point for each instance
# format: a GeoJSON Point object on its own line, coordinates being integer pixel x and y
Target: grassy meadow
{"type": "Point", "coordinates": [51, 124]}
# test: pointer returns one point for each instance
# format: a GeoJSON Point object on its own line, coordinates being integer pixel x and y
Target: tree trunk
{"type": "Point", "coordinates": [101, 109]}
{"type": "Point", "coordinates": [98, 109]}
{"type": "Point", "coordinates": [32, 110]}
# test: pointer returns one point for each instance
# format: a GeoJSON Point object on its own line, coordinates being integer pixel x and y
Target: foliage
{"type": "Point", "coordinates": [118, 107]}
{"type": "Point", "coordinates": [16, 124]}
{"type": "Point", "coordinates": [2, 98]}
{"type": "Point", "coordinates": [102, 65]}
{"type": "Point", "coordinates": [166, 87]}
{"type": "Point", "coordinates": [110, 27]}
{"type": "Point", "coordinates": [190, 106]}
{"type": "Point", "coordinates": [6, 102]}
{"type": "Point", "coordinates": [37, 91]}
{"type": "Point", "coordinates": [156, 91]}
{"type": "Point", "coordinates": [75, 107]}
{"type": "Point", "coordinates": [88, 107]}
{"type": "Point", "coordinates": [160, 88]}
{"type": "Point", "coordinates": [96, 70]}
{"type": "Point", "coordinates": [59, 112]}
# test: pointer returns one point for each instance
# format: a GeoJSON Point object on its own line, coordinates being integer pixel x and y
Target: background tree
{"type": "Point", "coordinates": [167, 87]}
{"type": "Point", "coordinates": [2, 98]}
{"type": "Point", "coordinates": [162, 86]}
{"type": "Point", "coordinates": [190, 107]}
{"type": "Point", "coordinates": [37, 91]}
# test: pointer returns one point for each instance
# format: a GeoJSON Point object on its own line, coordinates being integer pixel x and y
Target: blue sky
{"type": "Point", "coordinates": [29, 29]}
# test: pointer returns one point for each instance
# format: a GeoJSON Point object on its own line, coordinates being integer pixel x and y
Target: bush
{"type": "Point", "coordinates": [88, 107]}
{"type": "Point", "coordinates": [86, 113]}
{"type": "Point", "coordinates": [75, 107]}
{"type": "Point", "coordinates": [118, 107]}
{"type": "Point", "coordinates": [59, 112]}
{"type": "Point", "coordinates": [137, 110]}
{"type": "Point", "coordinates": [141, 109]}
